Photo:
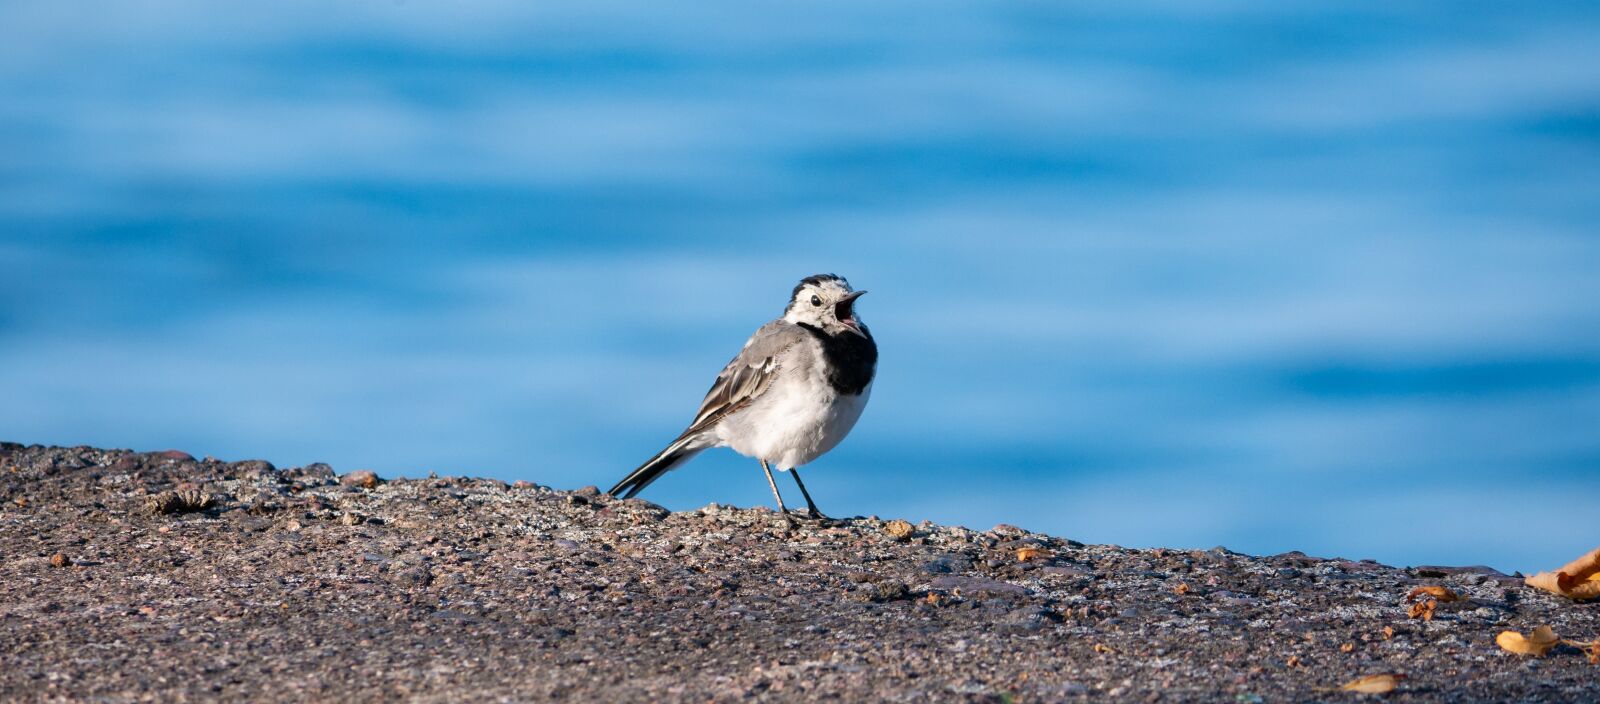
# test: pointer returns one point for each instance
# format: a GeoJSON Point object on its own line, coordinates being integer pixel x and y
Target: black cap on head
{"type": "Point", "coordinates": [815, 279]}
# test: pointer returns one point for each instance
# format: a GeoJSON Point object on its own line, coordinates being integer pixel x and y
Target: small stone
{"type": "Point", "coordinates": [979, 586]}
{"type": "Point", "coordinates": [351, 519]}
{"type": "Point", "coordinates": [646, 510]}
{"type": "Point", "coordinates": [901, 530]}
{"type": "Point", "coordinates": [885, 591]}
{"type": "Point", "coordinates": [1025, 619]}
{"type": "Point", "coordinates": [947, 564]}
{"type": "Point", "coordinates": [254, 467]}
{"type": "Point", "coordinates": [417, 576]}
{"type": "Point", "coordinates": [364, 478]}
{"type": "Point", "coordinates": [317, 470]}
{"type": "Point", "coordinates": [60, 560]}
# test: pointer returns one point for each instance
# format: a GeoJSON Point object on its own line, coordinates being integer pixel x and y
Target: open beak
{"type": "Point", "coordinates": [845, 312]}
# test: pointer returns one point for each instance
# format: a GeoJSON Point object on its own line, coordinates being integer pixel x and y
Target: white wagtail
{"type": "Point", "coordinates": [789, 396]}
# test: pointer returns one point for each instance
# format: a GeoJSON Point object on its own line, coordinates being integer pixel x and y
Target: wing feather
{"type": "Point", "coordinates": [747, 376]}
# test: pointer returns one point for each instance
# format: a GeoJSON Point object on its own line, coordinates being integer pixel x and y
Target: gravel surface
{"type": "Point", "coordinates": [155, 576]}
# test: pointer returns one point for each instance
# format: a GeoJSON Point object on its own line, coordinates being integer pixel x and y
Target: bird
{"type": "Point", "coordinates": [791, 394]}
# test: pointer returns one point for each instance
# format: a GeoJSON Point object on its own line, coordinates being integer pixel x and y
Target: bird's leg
{"type": "Point", "coordinates": [782, 510]}
{"type": "Point", "coordinates": [810, 505]}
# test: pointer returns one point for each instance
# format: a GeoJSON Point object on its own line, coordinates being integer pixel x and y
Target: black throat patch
{"type": "Point", "coordinates": [852, 359]}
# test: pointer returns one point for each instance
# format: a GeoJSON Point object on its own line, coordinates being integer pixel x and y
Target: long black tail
{"type": "Point", "coordinates": [680, 450]}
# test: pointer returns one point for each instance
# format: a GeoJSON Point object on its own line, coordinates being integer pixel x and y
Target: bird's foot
{"type": "Point", "coordinates": [819, 518]}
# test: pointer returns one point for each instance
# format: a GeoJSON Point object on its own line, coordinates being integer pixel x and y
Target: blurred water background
{"type": "Point", "coordinates": [1320, 276]}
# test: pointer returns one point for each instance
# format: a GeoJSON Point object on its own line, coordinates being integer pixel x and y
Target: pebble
{"type": "Point", "coordinates": [979, 585]}
{"type": "Point", "coordinates": [899, 529]}
{"type": "Point", "coordinates": [361, 478]}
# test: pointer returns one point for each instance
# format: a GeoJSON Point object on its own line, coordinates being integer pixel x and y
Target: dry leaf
{"type": "Point", "coordinates": [1181, 589]}
{"type": "Point", "coordinates": [1579, 579]}
{"type": "Point", "coordinates": [1435, 591]}
{"type": "Point", "coordinates": [1373, 684]}
{"type": "Point", "coordinates": [1537, 644]}
{"type": "Point", "coordinates": [1423, 609]}
{"type": "Point", "coordinates": [1347, 647]}
{"type": "Point", "coordinates": [1025, 554]}
{"type": "Point", "coordinates": [1294, 661]}
{"type": "Point", "coordinates": [1590, 650]}
{"type": "Point", "coordinates": [1388, 632]}
{"type": "Point", "coordinates": [182, 501]}
{"type": "Point", "coordinates": [1104, 649]}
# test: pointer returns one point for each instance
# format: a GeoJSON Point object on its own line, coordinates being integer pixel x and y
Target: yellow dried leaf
{"type": "Point", "coordinates": [1373, 684]}
{"type": "Point", "coordinates": [1537, 644]}
{"type": "Point", "coordinates": [1423, 609]}
{"type": "Point", "coordinates": [1181, 589]}
{"type": "Point", "coordinates": [1435, 591]}
{"type": "Point", "coordinates": [1388, 632]}
{"type": "Point", "coordinates": [1294, 661]}
{"type": "Point", "coordinates": [1025, 554]}
{"type": "Point", "coordinates": [1347, 648]}
{"type": "Point", "coordinates": [1578, 580]}
{"type": "Point", "coordinates": [1104, 649]}
{"type": "Point", "coordinates": [1590, 650]}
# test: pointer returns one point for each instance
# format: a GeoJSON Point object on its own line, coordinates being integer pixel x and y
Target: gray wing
{"type": "Point", "coordinates": [748, 375]}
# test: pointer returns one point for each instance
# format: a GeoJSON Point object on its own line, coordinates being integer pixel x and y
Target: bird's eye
{"type": "Point", "coordinates": [816, 300]}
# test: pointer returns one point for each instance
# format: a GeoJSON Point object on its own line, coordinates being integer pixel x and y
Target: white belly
{"type": "Point", "coordinates": [793, 424]}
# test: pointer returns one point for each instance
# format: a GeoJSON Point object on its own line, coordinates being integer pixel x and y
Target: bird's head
{"type": "Point", "coordinates": [825, 301]}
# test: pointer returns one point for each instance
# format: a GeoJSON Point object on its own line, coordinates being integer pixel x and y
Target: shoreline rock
{"type": "Point", "coordinates": [298, 584]}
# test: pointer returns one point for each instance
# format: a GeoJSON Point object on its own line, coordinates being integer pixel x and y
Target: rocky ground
{"type": "Point", "coordinates": [155, 576]}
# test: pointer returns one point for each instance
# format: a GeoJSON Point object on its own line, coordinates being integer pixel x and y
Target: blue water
{"type": "Point", "coordinates": [1315, 276]}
